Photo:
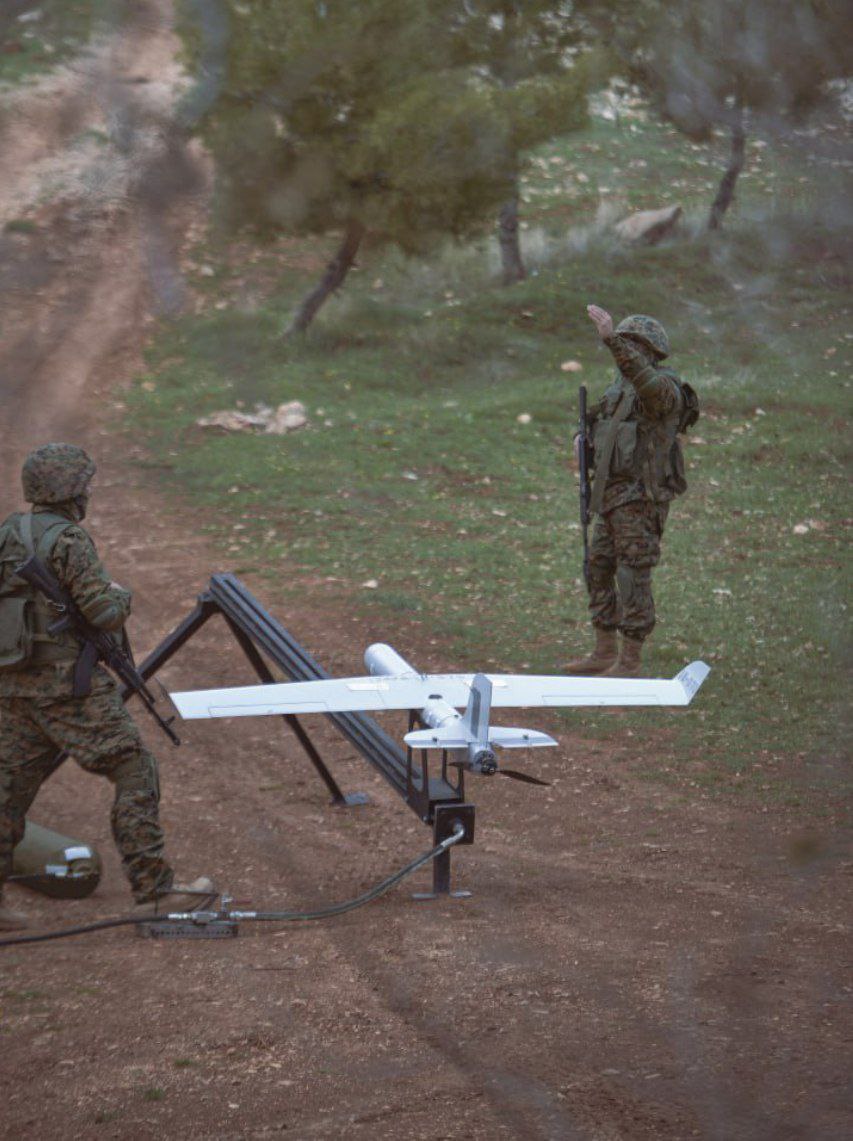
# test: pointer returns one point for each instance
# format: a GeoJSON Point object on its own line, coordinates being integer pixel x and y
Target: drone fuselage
{"type": "Point", "coordinates": [476, 754]}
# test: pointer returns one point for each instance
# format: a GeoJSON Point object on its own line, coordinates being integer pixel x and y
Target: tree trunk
{"type": "Point", "coordinates": [511, 263]}
{"type": "Point", "coordinates": [332, 279]}
{"type": "Point", "coordinates": [726, 189]}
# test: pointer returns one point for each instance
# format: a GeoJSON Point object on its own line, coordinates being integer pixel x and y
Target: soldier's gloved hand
{"type": "Point", "coordinates": [602, 320]}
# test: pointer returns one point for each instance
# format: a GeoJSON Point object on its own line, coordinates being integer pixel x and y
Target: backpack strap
{"type": "Point", "coordinates": [54, 526]}
{"type": "Point", "coordinates": [27, 533]}
{"type": "Point", "coordinates": [42, 547]}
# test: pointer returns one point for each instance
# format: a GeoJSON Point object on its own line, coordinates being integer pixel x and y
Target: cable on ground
{"type": "Point", "coordinates": [255, 916]}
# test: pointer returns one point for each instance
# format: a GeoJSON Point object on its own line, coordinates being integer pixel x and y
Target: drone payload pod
{"type": "Point", "coordinates": [437, 698]}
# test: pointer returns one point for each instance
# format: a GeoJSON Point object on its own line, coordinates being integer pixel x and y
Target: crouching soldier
{"type": "Point", "coordinates": [40, 716]}
{"type": "Point", "coordinates": [638, 469]}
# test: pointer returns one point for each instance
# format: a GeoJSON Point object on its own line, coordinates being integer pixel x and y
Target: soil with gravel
{"type": "Point", "coordinates": [635, 961]}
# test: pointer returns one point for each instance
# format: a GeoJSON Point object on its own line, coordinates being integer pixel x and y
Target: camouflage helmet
{"type": "Point", "coordinates": [56, 473]}
{"type": "Point", "coordinates": [647, 331]}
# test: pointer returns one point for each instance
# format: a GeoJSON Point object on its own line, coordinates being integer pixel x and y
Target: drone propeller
{"type": "Point", "coordinates": [513, 774]}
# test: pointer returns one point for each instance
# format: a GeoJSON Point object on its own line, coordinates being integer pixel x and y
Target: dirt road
{"type": "Point", "coordinates": [637, 960]}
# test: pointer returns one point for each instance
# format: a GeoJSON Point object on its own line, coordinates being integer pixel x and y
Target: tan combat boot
{"type": "Point", "coordinates": [628, 664]}
{"type": "Point", "coordinates": [182, 897]}
{"type": "Point", "coordinates": [601, 658]}
{"type": "Point", "coordinates": [12, 920]}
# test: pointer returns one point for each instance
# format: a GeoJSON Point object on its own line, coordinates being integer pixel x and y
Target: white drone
{"type": "Point", "coordinates": [437, 698]}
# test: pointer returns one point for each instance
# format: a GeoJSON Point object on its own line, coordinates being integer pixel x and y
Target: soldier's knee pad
{"type": "Point", "coordinates": [137, 774]}
{"type": "Point", "coordinates": [631, 582]}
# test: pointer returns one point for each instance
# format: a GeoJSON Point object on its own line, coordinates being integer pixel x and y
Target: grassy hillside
{"type": "Point", "coordinates": [38, 36]}
{"type": "Point", "coordinates": [433, 482]}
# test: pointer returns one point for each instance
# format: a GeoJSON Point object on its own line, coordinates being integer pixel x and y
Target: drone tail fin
{"type": "Point", "coordinates": [456, 736]}
{"type": "Point", "coordinates": [507, 738]}
{"type": "Point", "coordinates": [475, 719]}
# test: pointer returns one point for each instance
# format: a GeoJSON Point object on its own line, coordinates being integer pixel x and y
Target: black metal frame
{"type": "Point", "coordinates": [436, 800]}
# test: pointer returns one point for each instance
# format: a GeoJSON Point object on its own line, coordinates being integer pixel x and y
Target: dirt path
{"type": "Point", "coordinates": [637, 961]}
{"type": "Point", "coordinates": [80, 151]}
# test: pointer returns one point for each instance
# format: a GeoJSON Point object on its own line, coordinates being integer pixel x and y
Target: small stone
{"type": "Point", "coordinates": [287, 418]}
{"type": "Point", "coordinates": [648, 226]}
{"type": "Point", "coordinates": [231, 421]}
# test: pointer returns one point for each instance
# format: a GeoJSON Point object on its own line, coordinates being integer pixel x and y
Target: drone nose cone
{"type": "Point", "coordinates": [384, 661]}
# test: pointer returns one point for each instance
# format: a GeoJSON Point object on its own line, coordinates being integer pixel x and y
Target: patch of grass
{"type": "Point", "coordinates": [35, 37]}
{"type": "Point", "coordinates": [417, 474]}
{"type": "Point", "coordinates": [20, 226]}
{"type": "Point", "coordinates": [154, 1093]}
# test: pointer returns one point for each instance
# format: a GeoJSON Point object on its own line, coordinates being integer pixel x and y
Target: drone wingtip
{"type": "Point", "coordinates": [692, 677]}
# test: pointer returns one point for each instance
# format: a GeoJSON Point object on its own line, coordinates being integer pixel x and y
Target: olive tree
{"type": "Point", "coordinates": [711, 64]}
{"type": "Point", "coordinates": [380, 117]}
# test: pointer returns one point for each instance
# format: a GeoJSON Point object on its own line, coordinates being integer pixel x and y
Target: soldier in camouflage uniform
{"type": "Point", "coordinates": [39, 716]}
{"type": "Point", "coordinates": [638, 469]}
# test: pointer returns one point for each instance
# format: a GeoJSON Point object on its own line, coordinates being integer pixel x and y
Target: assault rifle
{"type": "Point", "coordinates": [95, 645]}
{"type": "Point", "coordinates": [584, 464]}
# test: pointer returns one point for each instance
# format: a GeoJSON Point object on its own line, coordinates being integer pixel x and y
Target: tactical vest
{"type": "Point", "coordinates": [631, 447]}
{"type": "Point", "coordinates": [25, 613]}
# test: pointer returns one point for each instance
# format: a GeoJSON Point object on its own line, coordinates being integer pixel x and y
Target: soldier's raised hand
{"type": "Point", "coordinates": [601, 319]}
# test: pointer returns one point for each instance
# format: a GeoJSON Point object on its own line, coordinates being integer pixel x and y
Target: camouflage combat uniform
{"type": "Point", "coordinates": [639, 470]}
{"type": "Point", "coordinates": [39, 717]}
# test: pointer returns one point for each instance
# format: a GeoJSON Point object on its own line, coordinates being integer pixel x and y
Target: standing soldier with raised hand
{"type": "Point", "coordinates": [49, 705]}
{"type": "Point", "coordinates": [636, 457]}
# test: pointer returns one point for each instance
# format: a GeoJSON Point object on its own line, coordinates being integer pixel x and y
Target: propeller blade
{"type": "Point", "coordinates": [513, 774]}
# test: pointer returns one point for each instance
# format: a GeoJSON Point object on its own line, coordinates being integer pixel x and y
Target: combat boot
{"type": "Point", "coordinates": [601, 658]}
{"type": "Point", "coordinates": [181, 897]}
{"type": "Point", "coordinates": [628, 664]}
{"type": "Point", "coordinates": [12, 920]}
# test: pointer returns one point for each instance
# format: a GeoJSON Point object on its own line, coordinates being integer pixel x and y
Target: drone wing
{"type": "Point", "coordinates": [366, 694]}
{"type": "Point", "coordinates": [525, 690]}
{"type": "Point", "coordinates": [327, 695]}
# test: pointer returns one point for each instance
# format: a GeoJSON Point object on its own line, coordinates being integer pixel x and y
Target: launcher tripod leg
{"type": "Point", "coordinates": [205, 609]}
{"type": "Point", "coordinates": [339, 798]}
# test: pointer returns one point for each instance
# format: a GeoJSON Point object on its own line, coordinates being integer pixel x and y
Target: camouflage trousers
{"type": "Point", "coordinates": [98, 732]}
{"type": "Point", "coordinates": [625, 546]}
